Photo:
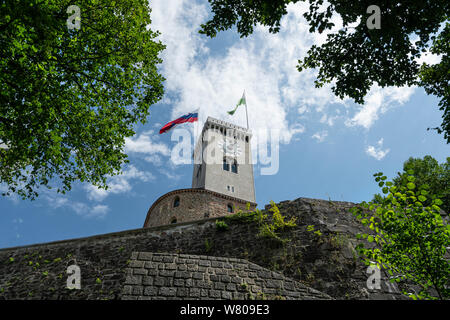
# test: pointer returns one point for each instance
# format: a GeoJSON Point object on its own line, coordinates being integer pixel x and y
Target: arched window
{"type": "Point", "coordinates": [173, 220]}
{"type": "Point", "coordinates": [176, 202]}
{"type": "Point", "coordinates": [226, 165]}
{"type": "Point", "coordinates": [230, 208]}
{"type": "Point", "coordinates": [234, 167]}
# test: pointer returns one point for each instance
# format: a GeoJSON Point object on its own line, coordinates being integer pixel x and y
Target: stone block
{"type": "Point", "coordinates": [133, 279]}
{"type": "Point", "coordinates": [227, 295]}
{"type": "Point", "coordinates": [138, 290]}
{"type": "Point", "coordinates": [147, 281]}
{"type": "Point", "coordinates": [216, 264]}
{"type": "Point", "coordinates": [231, 287]}
{"type": "Point", "coordinates": [136, 264]}
{"type": "Point", "coordinates": [219, 286]}
{"type": "Point", "coordinates": [171, 266]}
{"type": "Point", "coordinates": [198, 275]}
{"type": "Point", "coordinates": [182, 292]}
{"type": "Point", "coordinates": [183, 274]}
{"type": "Point", "coordinates": [178, 282]}
{"type": "Point", "coordinates": [150, 291]}
{"type": "Point", "coordinates": [145, 256]}
{"type": "Point", "coordinates": [150, 265]}
{"type": "Point", "coordinates": [168, 259]}
{"type": "Point", "coordinates": [139, 271]}
{"type": "Point", "coordinates": [204, 263]}
{"type": "Point", "coordinates": [215, 294]}
{"type": "Point", "coordinates": [134, 255]}
{"type": "Point", "coordinates": [194, 292]}
{"type": "Point", "coordinates": [159, 281]}
{"type": "Point", "coordinates": [166, 273]}
{"type": "Point", "coordinates": [167, 292]}
{"type": "Point", "coordinates": [127, 289]}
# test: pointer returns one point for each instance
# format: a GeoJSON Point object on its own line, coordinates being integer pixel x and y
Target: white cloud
{"type": "Point", "coordinates": [377, 102]}
{"type": "Point", "coordinates": [377, 151]}
{"type": "Point", "coordinates": [55, 200]}
{"type": "Point", "coordinates": [263, 64]}
{"type": "Point", "coordinates": [145, 143]}
{"type": "Point", "coordinates": [170, 175]}
{"type": "Point", "coordinates": [99, 211]}
{"type": "Point", "coordinates": [119, 184]}
{"type": "Point", "coordinates": [320, 136]}
{"type": "Point", "coordinates": [302, 109]}
{"type": "Point", "coordinates": [154, 159]}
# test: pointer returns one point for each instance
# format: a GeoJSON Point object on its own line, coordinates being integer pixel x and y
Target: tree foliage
{"type": "Point", "coordinates": [356, 58]}
{"type": "Point", "coordinates": [427, 171]}
{"type": "Point", "coordinates": [68, 98]}
{"type": "Point", "coordinates": [409, 238]}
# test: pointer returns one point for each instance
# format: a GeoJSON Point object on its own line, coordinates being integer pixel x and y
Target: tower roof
{"type": "Point", "coordinates": [225, 124]}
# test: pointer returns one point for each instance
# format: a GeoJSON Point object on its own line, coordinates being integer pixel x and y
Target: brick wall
{"type": "Point", "coordinates": [189, 277]}
{"type": "Point", "coordinates": [327, 263]}
{"type": "Point", "coordinates": [194, 204]}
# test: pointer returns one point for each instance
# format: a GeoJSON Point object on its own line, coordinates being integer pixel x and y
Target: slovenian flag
{"type": "Point", "coordinates": [241, 101]}
{"type": "Point", "coordinates": [190, 117]}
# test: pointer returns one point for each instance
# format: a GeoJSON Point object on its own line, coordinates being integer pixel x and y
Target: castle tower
{"type": "Point", "coordinates": [222, 181]}
{"type": "Point", "coordinates": [223, 160]}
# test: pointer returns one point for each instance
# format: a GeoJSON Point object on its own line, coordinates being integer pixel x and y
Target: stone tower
{"type": "Point", "coordinates": [223, 160]}
{"type": "Point", "coordinates": [222, 181]}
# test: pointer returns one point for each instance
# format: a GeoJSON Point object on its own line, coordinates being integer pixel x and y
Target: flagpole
{"type": "Point", "coordinates": [196, 128]}
{"type": "Point", "coordinates": [246, 112]}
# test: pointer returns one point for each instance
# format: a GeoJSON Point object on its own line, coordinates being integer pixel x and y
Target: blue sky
{"type": "Point", "coordinates": [329, 149]}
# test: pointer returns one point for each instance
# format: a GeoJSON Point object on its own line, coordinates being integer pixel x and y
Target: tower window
{"type": "Point", "coordinates": [176, 202]}
{"type": "Point", "coordinates": [234, 167]}
{"type": "Point", "coordinates": [226, 165]}
{"type": "Point", "coordinates": [230, 208]}
{"type": "Point", "coordinates": [246, 138]}
{"type": "Point", "coordinates": [232, 189]}
{"type": "Point", "coordinates": [173, 220]}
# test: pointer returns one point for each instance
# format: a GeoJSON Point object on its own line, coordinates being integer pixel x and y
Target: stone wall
{"type": "Point", "coordinates": [327, 263]}
{"type": "Point", "coordinates": [189, 277]}
{"type": "Point", "coordinates": [193, 204]}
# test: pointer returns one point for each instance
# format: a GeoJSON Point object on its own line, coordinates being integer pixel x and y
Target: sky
{"type": "Point", "coordinates": [306, 142]}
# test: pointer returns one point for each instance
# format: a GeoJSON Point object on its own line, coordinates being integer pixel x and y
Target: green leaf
{"type": "Point", "coordinates": [70, 98]}
{"type": "Point", "coordinates": [411, 186]}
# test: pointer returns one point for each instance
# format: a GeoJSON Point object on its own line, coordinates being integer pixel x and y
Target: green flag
{"type": "Point", "coordinates": [241, 101]}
